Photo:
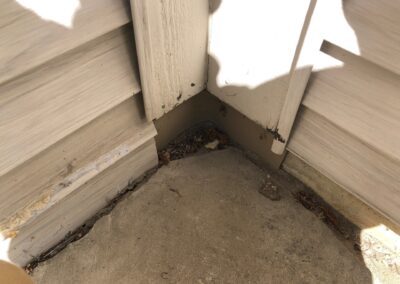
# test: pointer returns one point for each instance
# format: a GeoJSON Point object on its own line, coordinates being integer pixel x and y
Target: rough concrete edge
{"type": "Point", "coordinates": [132, 186]}
{"type": "Point", "coordinates": [85, 228]}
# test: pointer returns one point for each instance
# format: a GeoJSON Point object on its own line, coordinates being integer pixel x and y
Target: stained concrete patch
{"type": "Point", "coordinates": [202, 220]}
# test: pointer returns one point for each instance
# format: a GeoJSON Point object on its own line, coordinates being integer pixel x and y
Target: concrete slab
{"type": "Point", "coordinates": [202, 220]}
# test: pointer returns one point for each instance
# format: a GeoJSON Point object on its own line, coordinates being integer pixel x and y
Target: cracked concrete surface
{"type": "Point", "coordinates": [202, 220]}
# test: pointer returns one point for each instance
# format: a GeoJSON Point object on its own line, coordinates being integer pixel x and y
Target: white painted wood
{"type": "Point", "coordinates": [300, 72]}
{"type": "Point", "coordinates": [359, 97]}
{"type": "Point", "coordinates": [349, 162]}
{"type": "Point", "coordinates": [171, 43]}
{"type": "Point", "coordinates": [251, 49]}
{"type": "Point", "coordinates": [42, 107]}
{"type": "Point", "coordinates": [293, 99]}
{"type": "Point", "coordinates": [32, 32]}
{"type": "Point", "coordinates": [52, 225]}
{"type": "Point", "coordinates": [31, 187]}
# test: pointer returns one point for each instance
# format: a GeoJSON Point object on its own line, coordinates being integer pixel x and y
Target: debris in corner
{"type": "Point", "coordinates": [204, 137]}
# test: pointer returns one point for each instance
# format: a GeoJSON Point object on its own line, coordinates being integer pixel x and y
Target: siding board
{"type": "Point", "coordinates": [52, 225]}
{"type": "Point", "coordinates": [28, 40]}
{"type": "Point", "coordinates": [348, 161]}
{"type": "Point", "coordinates": [44, 106]}
{"type": "Point", "coordinates": [30, 187]}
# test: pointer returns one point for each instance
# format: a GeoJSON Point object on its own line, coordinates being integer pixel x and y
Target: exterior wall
{"type": "Point", "coordinates": [349, 125]}
{"type": "Point", "coordinates": [73, 131]}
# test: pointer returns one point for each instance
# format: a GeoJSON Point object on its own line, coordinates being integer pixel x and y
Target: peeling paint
{"type": "Point", "coordinates": [10, 226]}
{"type": "Point", "coordinates": [21, 217]}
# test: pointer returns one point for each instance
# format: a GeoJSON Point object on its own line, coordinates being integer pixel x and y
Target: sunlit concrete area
{"type": "Point", "coordinates": [203, 219]}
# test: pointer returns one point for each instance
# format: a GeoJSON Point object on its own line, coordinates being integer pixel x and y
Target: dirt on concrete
{"type": "Point", "coordinates": [187, 143]}
{"type": "Point", "coordinates": [202, 219]}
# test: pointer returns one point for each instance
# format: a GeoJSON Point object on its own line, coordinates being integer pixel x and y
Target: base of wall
{"type": "Point", "coordinates": [255, 139]}
{"type": "Point", "coordinates": [206, 107]}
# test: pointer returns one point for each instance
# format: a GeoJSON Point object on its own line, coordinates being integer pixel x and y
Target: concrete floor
{"type": "Point", "coordinates": [202, 220]}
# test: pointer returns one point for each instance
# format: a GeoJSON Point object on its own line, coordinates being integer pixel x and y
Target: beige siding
{"type": "Point", "coordinates": [72, 127]}
{"type": "Point", "coordinates": [28, 38]}
{"type": "Point", "coordinates": [349, 128]}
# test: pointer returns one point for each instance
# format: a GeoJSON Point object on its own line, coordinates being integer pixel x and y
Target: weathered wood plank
{"type": "Point", "coordinates": [42, 107]}
{"type": "Point", "coordinates": [300, 71]}
{"type": "Point", "coordinates": [34, 34]}
{"type": "Point", "coordinates": [52, 225]}
{"type": "Point", "coordinates": [171, 42]}
{"type": "Point", "coordinates": [349, 162]}
{"type": "Point", "coordinates": [293, 99]}
{"type": "Point", "coordinates": [30, 187]}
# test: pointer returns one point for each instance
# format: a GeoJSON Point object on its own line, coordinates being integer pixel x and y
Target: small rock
{"type": "Point", "coordinates": [165, 157]}
{"type": "Point", "coordinates": [270, 191]}
{"type": "Point", "coordinates": [212, 145]}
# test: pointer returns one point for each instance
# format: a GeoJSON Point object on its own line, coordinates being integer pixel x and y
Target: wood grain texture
{"type": "Point", "coordinates": [349, 162]}
{"type": "Point", "coordinates": [51, 226]}
{"type": "Point", "coordinates": [30, 37]}
{"type": "Point", "coordinates": [308, 44]}
{"type": "Point", "coordinates": [375, 24]}
{"type": "Point", "coordinates": [29, 188]}
{"type": "Point", "coordinates": [361, 98]}
{"type": "Point", "coordinates": [251, 49]}
{"type": "Point", "coordinates": [293, 99]}
{"type": "Point", "coordinates": [171, 42]}
{"type": "Point", "coordinates": [42, 107]}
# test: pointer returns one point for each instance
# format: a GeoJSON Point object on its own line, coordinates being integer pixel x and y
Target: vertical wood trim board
{"type": "Point", "coordinates": [171, 43]}
{"type": "Point", "coordinates": [290, 108]}
{"type": "Point", "coordinates": [300, 72]}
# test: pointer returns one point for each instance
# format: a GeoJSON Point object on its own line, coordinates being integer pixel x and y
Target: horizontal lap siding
{"type": "Point", "coordinates": [73, 131]}
{"type": "Point", "coordinates": [349, 128]}
{"type": "Point", "coordinates": [28, 40]}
